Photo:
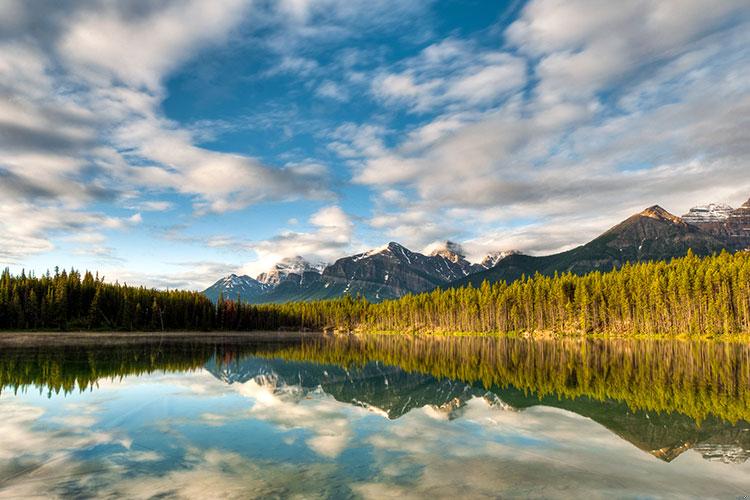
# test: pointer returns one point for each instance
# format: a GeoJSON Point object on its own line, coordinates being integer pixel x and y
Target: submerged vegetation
{"type": "Point", "coordinates": [687, 296]}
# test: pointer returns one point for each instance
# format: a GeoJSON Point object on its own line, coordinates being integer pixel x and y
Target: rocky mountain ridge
{"type": "Point", "coordinates": [393, 270]}
{"type": "Point", "coordinates": [704, 214]}
{"type": "Point", "coordinates": [387, 272]}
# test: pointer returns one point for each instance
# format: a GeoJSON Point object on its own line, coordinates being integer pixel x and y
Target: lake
{"type": "Point", "coordinates": [312, 416]}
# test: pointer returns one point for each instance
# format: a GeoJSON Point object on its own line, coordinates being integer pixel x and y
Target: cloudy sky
{"type": "Point", "coordinates": [168, 143]}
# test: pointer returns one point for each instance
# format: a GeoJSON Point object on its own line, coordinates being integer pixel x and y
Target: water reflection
{"type": "Point", "coordinates": [375, 416]}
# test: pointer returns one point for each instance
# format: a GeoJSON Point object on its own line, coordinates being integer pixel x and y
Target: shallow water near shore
{"type": "Point", "coordinates": [310, 416]}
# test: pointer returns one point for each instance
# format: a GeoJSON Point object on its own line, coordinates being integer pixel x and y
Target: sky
{"type": "Point", "coordinates": [170, 143]}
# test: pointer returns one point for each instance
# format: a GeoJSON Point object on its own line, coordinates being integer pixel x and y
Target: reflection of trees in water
{"type": "Point", "coordinates": [68, 368]}
{"type": "Point", "coordinates": [696, 379]}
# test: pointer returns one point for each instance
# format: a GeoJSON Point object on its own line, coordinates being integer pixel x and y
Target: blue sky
{"type": "Point", "coordinates": [169, 143]}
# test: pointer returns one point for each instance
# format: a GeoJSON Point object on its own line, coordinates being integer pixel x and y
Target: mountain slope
{"type": "Point", "coordinates": [653, 234]}
{"type": "Point", "coordinates": [739, 226]}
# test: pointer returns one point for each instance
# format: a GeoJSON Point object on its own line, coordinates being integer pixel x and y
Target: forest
{"type": "Point", "coordinates": [687, 296]}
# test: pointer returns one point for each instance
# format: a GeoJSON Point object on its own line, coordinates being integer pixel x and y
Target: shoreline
{"type": "Point", "coordinates": [30, 338]}
{"type": "Point", "coordinates": [23, 338]}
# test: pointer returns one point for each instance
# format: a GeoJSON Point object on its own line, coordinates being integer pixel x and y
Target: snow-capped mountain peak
{"type": "Point", "coordinates": [393, 249]}
{"type": "Point", "coordinates": [285, 267]}
{"type": "Point", "coordinates": [232, 286]}
{"type": "Point", "coordinates": [713, 212]}
{"type": "Point", "coordinates": [492, 259]}
{"type": "Point", "coordinates": [448, 250]}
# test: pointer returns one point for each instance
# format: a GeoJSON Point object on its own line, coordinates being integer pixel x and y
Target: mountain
{"type": "Point", "coordinates": [384, 389]}
{"type": "Point", "coordinates": [290, 277]}
{"type": "Point", "coordinates": [739, 226]}
{"type": "Point", "coordinates": [232, 286]}
{"type": "Point", "coordinates": [453, 252]}
{"type": "Point", "coordinates": [393, 271]}
{"type": "Point", "coordinates": [653, 234]}
{"type": "Point", "coordinates": [293, 268]}
{"type": "Point", "coordinates": [387, 272]}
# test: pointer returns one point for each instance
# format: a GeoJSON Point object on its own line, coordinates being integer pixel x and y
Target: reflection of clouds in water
{"type": "Point", "coordinates": [487, 451]}
{"type": "Point", "coordinates": [23, 435]}
{"type": "Point", "coordinates": [197, 382]}
{"type": "Point", "coordinates": [536, 452]}
{"type": "Point", "coordinates": [220, 474]}
{"type": "Point", "coordinates": [34, 456]}
{"type": "Point", "coordinates": [74, 420]}
{"type": "Point", "coordinates": [201, 474]}
{"type": "Point", "coordinates": [43, 457]}
{"type": "Point", "coordinates": [294, 408]}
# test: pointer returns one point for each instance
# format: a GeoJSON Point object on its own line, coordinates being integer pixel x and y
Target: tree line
{"type": "Point", "coordinates": [689, 295]}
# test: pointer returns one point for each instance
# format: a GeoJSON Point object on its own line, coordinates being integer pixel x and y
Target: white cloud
{"type": "Point", "coordinates": [222, 181]}
{"type": "Point", "coordinates": [185, 275]}
{"type": "Point", "coordinates": [636, 103]}
{"type": "Point", "coordinates": [81, 88]}
{"type": "Point", "coordinates": [452, 73]}
{"type": "Point", "coordinates": [332, 90]}
{"type": "Point", "coordinates": [331, 235]}
{"type": "Point", "coordinates": [154, 206]}
{"type": "Point", "coordinates": [139, 49]}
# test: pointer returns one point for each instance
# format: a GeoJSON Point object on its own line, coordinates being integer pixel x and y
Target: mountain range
{"type": "Point", "coordinates": [393, 270]}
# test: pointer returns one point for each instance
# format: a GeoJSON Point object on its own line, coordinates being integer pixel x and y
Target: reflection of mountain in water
{"type": "Point", "coordinates": [394, 392]}
{"type": "Point", "coordinates": [664, 435]}
{"type": "Point", "coordinates": [386, 389]}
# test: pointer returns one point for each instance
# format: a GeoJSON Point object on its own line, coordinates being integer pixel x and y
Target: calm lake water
{"type": "Point", "coordinates": [374, 417]}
